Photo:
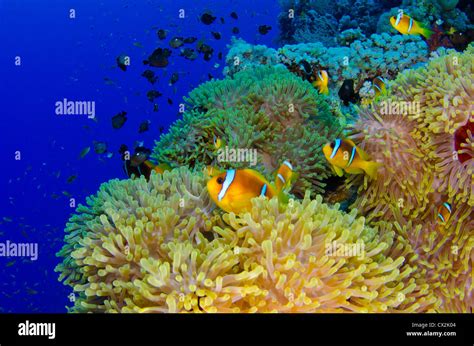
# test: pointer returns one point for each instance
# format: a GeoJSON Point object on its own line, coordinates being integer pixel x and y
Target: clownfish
{"type": "Point", "coordinates": [444, 212]}
{"type": "Point", "coordinates": [378, 85]}
{"type": "Point", "coordinates": [408, 26]}
{"type": "Point", "coordinates": [139, 165]}
{"type": "Point", "coordinates": [218, 143]}
{"type": "Point", "coordinates": [233, 190]}
{"type": "Point", "coordinates": [344, 155]}
{"type": "Point", "coordinates": [321, 82]}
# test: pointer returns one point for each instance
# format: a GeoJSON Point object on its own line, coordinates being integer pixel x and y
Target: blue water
{"type": "Point", "coordinates": [69, 58]}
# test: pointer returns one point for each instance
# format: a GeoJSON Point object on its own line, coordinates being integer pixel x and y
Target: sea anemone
{"type": "Point", "coordinates": [276, 114]}
{"type": "Point", "coordinates": [405, 176]}
{"type": "Point", "coordinates": [427, 159]}
{"type": "Point", "coordinates": [158, 246]}
{"type": "Point", "coordinates": [444, 91]}
{"type": "Point", "coordinates": [446, 253]}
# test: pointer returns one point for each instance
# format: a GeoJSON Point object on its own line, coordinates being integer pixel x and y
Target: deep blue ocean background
{"type": "Point", "coordinates": [70, 58]}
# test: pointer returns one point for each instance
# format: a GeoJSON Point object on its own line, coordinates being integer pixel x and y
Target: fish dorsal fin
{"type": "Point", "coordinates": [211, 171]}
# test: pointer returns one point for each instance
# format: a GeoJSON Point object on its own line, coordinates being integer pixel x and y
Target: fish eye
{"type": "Point", "coordinates": [220, 180]}
{"type": "Point", "coordinates": [332, 145]}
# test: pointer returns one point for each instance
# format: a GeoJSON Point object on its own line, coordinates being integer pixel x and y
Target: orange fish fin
{"type": "Point", "coordinates": [211, 171]}
{"type": "Point", "coordinates": [363, 154]}
{"type": "Point", "coordinates": [371, 168]}
{"type": "Point", "coordinates": [338, 171]}
{"type": "Point", "coordinates": [161, 168]}
{"type": "Point", "coordinates": [426, 33]}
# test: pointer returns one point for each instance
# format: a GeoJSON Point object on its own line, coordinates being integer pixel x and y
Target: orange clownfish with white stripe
{"type": "Point", "coordinates": [408, 26]}
{"type": "Point", "coordinates": [379, 87]}
{"type": "Point", "coordinates": [233, 190]}
{"type": "Point", "coordinates": [444, 213]}
{"type": "Point", "coordinates": [321, 82]}
{"type": "Point", "coordinates": [344, 155]}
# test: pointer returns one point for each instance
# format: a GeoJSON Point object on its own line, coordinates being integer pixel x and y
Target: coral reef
{"type": "Point", "coordinates": [422, 135]}
{"type": "Point", "coordinates": [363, 59]}
{"type": "Point", "coordinates": [323, 21]}
{"type": "Point", "coordinates": [264, 109]}
{"type": "Point", "coordinates": [157, 246]}
{"type": "Point", "coordinates": [429, 11]}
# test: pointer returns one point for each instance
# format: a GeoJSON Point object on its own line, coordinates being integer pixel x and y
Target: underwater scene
{"type": "Point", "coordinates": [237, 156]}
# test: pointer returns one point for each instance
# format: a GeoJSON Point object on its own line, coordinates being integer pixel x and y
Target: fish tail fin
{"type": "Point", "coordinates": [426, 33]}
{"type": "Point", "coordinates": [162, 167]}
{"type": "Point", "coordinates": [324, 89]}
{"type": "Point", "coordinates": [371, 168]}
{"type": "Point", "coordinates": [283, 197]}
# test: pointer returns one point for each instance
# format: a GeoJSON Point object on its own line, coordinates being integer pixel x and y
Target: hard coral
{"type": "Point", "coordinates": [156, 246]}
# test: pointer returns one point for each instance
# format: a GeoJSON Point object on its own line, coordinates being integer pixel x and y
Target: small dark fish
{"type": "Point", "coordinates": [174, 78]}
{"type": "Point", "coordinates": [84, 152]}
{"type": "Point", "coordinates": [264, 29]}
{"type": "Point", "coordinates": [159, 58]}
{"type": "Point", "coordinates": [217, 35]}
{"type": "Point", "coordinates": [108, 81]}
{"type": "Point", "coordinates": [191, 39]}
{"type": "Point", "coordinates": [123, 148]}
{"type": "Point", "coordinates": [140, 148]}
{"type": "Point", "coordinates": [100, 147]}
{"type": "Point", "coordinates": [207, 18]}
{"type": "Point", "coordinates": [71, 179]}
{"type": "Point", "coordinates": [150, 76]}
{"type": "Point", "coordinates": [161, 129]}
{"type": "Point", "coordinates": [161, 33]}
{"type": "Point", "coordinates": [170, 101]}
{"type": "Point", "coordinates": [234, 15]}
{"type": "Point", "coordinates": [346, 92]}
{"type": "Point", "coordinates": [235, 30]}
{"type": "Point", "coordinates": [144, 126]}
{"type": "Point", "coordinates": [176, 42]}
{"type": "Point", "coordinates": [155, 107]}
{"type": "Point", "coordinates": [123, 62]}
{"type": "Point", "coordinates": [219, 55]}
{"type": "Point", "coordinates": [139, 165]}
{"type": "Point", "coordinates": [306, 67]}
{"type": "Point", "coordinates": [204, 48]}
{"type": "Point", "coordinates": [210, 76]}
{"type": "Point", "coordinates": [222, 20]}
{"type": "Point", "coordinates": [31, 291]}
{"type": "Point", "coordinates": [152, 95]}
{"type": "Point", "coordinates": [118, 120]}
{"type": "Point", "coordinates": [65, 193]}
{"type": "Point", "coordinates": [189, 53]}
